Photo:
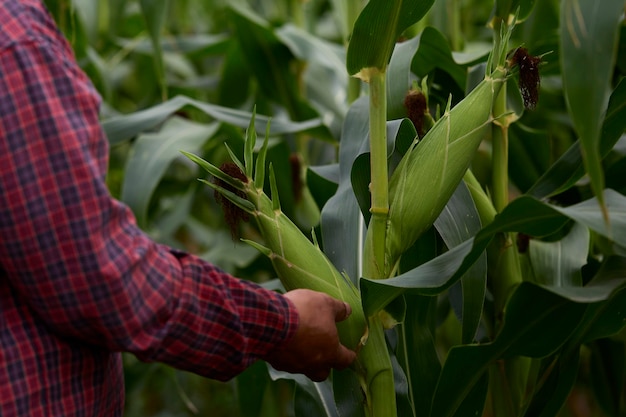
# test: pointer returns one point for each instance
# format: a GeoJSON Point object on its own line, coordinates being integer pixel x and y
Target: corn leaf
{"type": "Point", "coordinates": [417, 334]}
{"type": "Point", "coordinates": [531, 148]}
{"type": "Point", "coordinates": [254, 382]}
{"type": "Point", "coordinates": [342, 232]}
{"type": "Point", "coordinates": [548, 401]}
{"type": "Point", "coordinates": [214, 171]}
{"type": "Point", "coordinates": [589, 33]}
{"type": "Point", "coordinates": [187, 44]}
{"type": "Point", "coordinates": [606, 319]}
{"type": "Point", "coordinates": [608, 367]}
{"type": "Point", "coordinates": [312, 399]}
{"type": "Point", "coordinates": [458, 222]}
{"type": "Point", "coordinates": [325, 61]}
{"type": "Point", "coordinates": [537, 322]}
{"type": "Point", "coordinates": [559, 263]}
{"type": "Point", "coordinates": [152, 154]}
{"type": "Point", "coordinates": [120, 129]}
{"type": "Point", "coordinates": [434, 52]}
{"type": "Point", "coordinates": [242, 203]}
{"type": "Point", "coordinates": [348, 393]}
{"type": "Point", "coordinates": [271, 62]}
{"type": "Point", "coordinates": [508, 8]}
{"type": "Point", "coordinates": [565, 172]}
{"type": "Point", "coordinates": [376, 30]}
{"type": "Point", "coordinates": [525, 215]}
{"type": "Point", "coordinates": [399, 77]}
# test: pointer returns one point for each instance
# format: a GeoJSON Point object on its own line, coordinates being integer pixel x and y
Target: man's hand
{"type": "Point", "coordinates": [315, 348]}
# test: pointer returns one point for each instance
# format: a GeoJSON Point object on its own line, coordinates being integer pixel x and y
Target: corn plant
{"type": "Point", "coordinates": [453, 170]}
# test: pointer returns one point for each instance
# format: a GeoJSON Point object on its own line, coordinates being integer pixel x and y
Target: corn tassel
{"type": "Point", "coordinates": [430, 171]}
{"type": "Point", "coordinates": [298, 262]}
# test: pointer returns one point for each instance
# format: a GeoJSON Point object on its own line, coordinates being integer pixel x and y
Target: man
{"type": "Point", "coordinates": [79, 282]}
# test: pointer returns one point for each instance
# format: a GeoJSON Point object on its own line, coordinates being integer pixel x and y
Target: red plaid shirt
{"type": "Point", "coordinates": [79, 282]}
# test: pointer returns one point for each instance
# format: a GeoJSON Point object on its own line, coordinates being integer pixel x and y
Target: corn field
{"type": "Point", "coordinates": [453, 169]}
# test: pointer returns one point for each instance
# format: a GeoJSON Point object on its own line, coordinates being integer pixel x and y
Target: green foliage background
{"type": "Point", "coordinates": [185, 75]}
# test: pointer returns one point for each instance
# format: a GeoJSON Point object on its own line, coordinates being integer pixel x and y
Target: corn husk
{"type": "Point", "coordinates": [298, 261]}
{"type": "Point", "coordinates": [431, 170]}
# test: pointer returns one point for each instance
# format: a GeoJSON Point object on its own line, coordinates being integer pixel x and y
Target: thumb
{"type": "Point", "coordinates": [344, 358]}
{"type": "Point", "coordinates": [342, 310]}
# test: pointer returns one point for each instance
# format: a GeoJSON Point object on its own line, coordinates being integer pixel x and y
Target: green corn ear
{"type": "Point", "coordinates": [298, 262]}
{"type": "Point", "coordinates": [431, 170]}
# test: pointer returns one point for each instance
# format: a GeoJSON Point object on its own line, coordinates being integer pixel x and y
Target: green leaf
{"type": "Point", "coordinates": [536, 323]}
{"type": "Point", "coordinates": [342, 231]}
{"type": "Point", "coordinates": [525, 215]}
{"type": "Point", "coordinates": [214, 171]}
{"type": "Point", "coordinates": [249, 143]}
{"type": "Point", "coordinates": [188, 44]}
{"type": "Point", "coordinates": [606, 319]}
{"type": "Point", "coordinates": [608, 372]}
{"type": "Point", "coordinates": [123, 128]}
{"type": "Point", "coordinates": [559, 263]}
{"type": "Point", "coordinates": [559, 381]}
{"type": "Point", "coordinates": [587, 214]}
{"type": "Point", "coordinates": [253, 381]}
{"type": "Point", "coordinates": [589, 33]}
{"type": "Point", "coordinates": [152, 154]}
{"type": "Point", "coordinates": [529, 151]}
{"type": "Point", "coordinates": [399, 77]}
{"type": "Point", "coordinates": [323, 181]}
{"type": "Point", "coordinates": [434, 52]}
{"type": "Point", "coordinates": [417, 334]}
{"type": "Point", "coordinates": [154, 13]}
{"type": "Point", "coordinates": [563, 174]}
{"type": "Point", "coordinates": [312, 399]}
{"type": "Point", "coordinates": [348, 393]}
{"type": "Point", "coordinates": [458, 222]}
{"type": "Point", "coordinates": [324, 61]}
{"type": "Point", "coordinates": [271, 62]}
{"type": "Point", "coordinates": [508, 8]}
{"type": "Point", "coordinates": [474, 402]}
{"type": "Point", "coordinates": [376, 30]}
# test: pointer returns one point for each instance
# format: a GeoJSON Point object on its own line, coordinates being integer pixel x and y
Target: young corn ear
{"type": "Point", "coordinates": [430, 171]}
{"type": "Point", "coordinates": [298, 262]}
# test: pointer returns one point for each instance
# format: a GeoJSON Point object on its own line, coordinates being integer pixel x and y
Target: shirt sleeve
{"type": "Point", "coordinates": [75, 254]}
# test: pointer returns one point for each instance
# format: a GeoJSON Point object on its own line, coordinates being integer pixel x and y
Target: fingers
{"type": "Point", "coordinates": [316, 347]}
{"type": "Point", "coordinates": [344, 357]}
{"type": "Point", "coordinates": [342, 310]}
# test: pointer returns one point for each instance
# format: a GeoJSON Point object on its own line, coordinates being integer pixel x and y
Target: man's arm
{"type": "Point", "coordinates": [75, 255]}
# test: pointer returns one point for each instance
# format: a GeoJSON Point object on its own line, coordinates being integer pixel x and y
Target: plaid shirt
{"type": "Point", "coordinates": [79, 282]}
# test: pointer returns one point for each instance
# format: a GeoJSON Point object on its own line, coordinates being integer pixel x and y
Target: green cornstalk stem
{"type": "Point", "coordinates": [509, 378]}
{"type": "Point", "coordinates": [379, 178]}
{"type": "Point", "coordinates": [376, 374]}
{"type": "Point", "coordinates": [508, 274]}
{"type": "Point", "coordinates": [500, 149]}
